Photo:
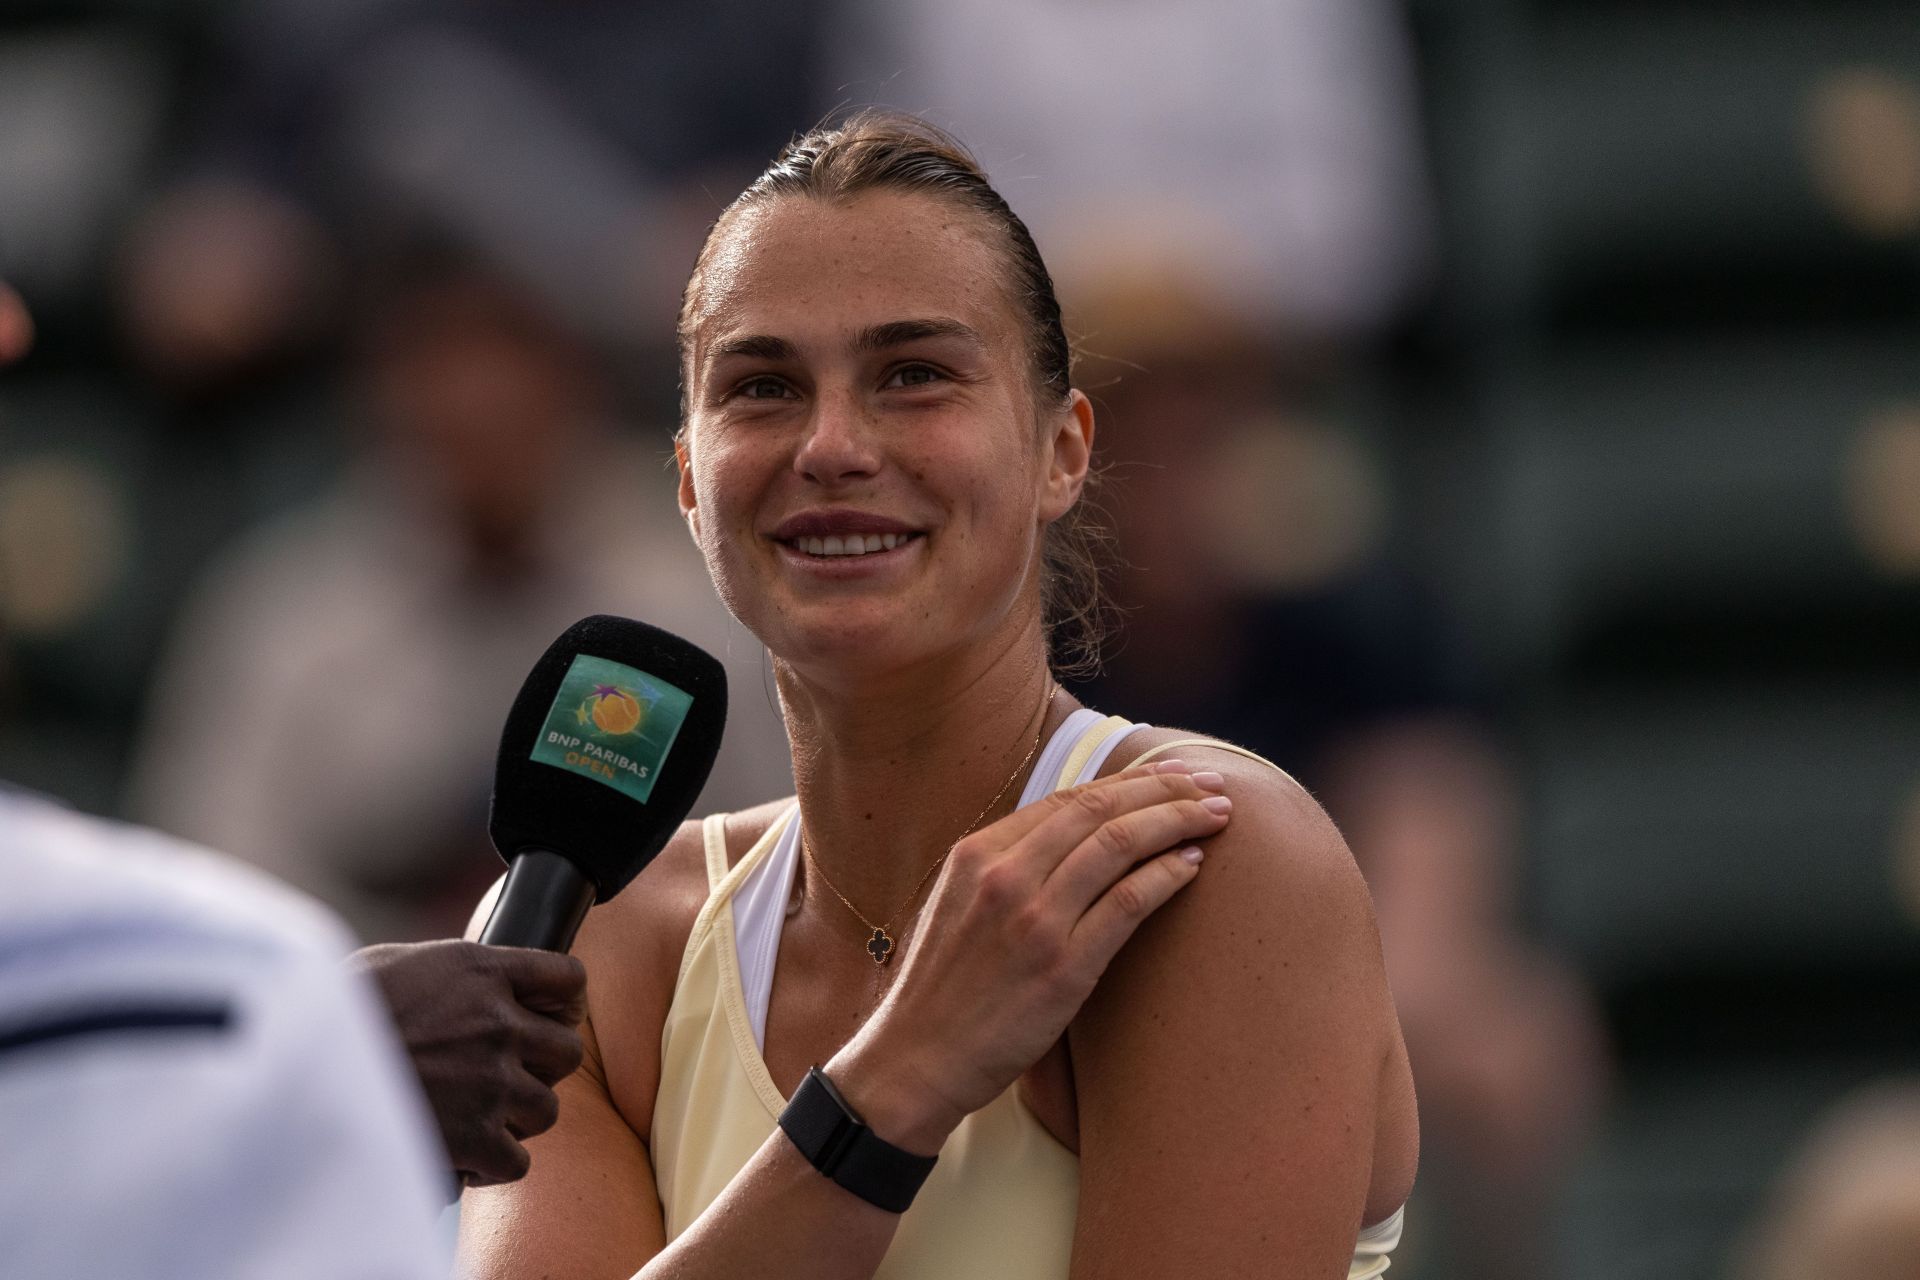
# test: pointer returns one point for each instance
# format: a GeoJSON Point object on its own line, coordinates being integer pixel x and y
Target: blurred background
{"type": "Point", "coordinates": [1512, 419]}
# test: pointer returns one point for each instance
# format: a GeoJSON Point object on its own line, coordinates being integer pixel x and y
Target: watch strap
{"type": "Point", "coordinates": [837, 1142]}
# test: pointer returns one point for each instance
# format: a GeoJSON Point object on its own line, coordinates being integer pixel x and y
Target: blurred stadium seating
{"type": "Point", "coordinates": [1680, 343]}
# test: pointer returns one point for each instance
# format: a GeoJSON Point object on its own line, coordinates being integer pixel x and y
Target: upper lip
{"type": "Point", "coordinates": [840, 522]}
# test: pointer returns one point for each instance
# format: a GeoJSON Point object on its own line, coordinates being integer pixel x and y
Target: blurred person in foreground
{"type": "Point", "coordinates": [1253, 531]}
{"type": "Point", "coordinates": [873, 1030]}
{"type": "Point", "coordinates": [194, 1085]}
{"type": "Point", "coordinates": [331, 702]}
{"type": "Point", "coordinates": [191, 1083]}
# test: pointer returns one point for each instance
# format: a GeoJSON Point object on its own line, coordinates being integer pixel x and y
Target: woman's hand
{"type": "Point", "coordinates": [1022, 922]}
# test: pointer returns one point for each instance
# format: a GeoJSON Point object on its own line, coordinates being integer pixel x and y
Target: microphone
{"type": "Point", "coordinates": [604, 752]}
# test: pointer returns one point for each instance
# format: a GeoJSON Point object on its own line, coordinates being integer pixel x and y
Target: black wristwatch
{"type": "Point", "coordinates": [838, 1143]}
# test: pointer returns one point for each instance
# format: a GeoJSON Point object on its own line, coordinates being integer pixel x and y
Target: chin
{"type": "Point", "coordinates": [861, 639]}
{"type": "Point", "coordinates": [843, 633]}
{"type": "Point", "coordinates": [850, 641]}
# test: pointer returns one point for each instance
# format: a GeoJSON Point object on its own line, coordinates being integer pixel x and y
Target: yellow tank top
{"type": "Point", "coordinates": [1001, 1202]}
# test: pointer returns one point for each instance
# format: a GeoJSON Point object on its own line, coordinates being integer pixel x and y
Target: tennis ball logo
{"type": "Point", "coordinates": [612, 710]}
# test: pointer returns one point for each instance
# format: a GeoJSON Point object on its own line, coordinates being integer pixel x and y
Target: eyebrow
{"type": "Point", "coordinates": [898, 333]}
{"type": "Point", "coordinates": [756, 346]}
{"type": "Point", "coordinates": [879, 337]}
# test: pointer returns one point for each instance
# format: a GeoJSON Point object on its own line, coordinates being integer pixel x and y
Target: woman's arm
{"type": "Point", "coordinates": [587, 1208]}
{"type": "Point", "coordinates": [1239, 1065]}
{"type": "Point", "coordinates": [1020, 923]}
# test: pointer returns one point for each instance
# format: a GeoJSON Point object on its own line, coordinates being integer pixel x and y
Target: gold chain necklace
{"type": "Point", "coordinates": [880, 944]}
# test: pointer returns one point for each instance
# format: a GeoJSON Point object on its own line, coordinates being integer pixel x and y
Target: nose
{"type": "Point", "coordinates": [840, 444]}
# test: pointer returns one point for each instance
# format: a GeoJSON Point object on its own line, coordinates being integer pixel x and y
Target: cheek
{"type": "Point", "coordinates": [1010, 489]}
{"type": "Point", "coordinates": [722, 551]}
{"type": "Point", "coordinates": [1003, 515]}
{"type": "Point", "coordinates": [725, 487]}
{"type": "Point", "coordinates": [718, 518]}
{"type": "Point", "coordinates": [723, 482]}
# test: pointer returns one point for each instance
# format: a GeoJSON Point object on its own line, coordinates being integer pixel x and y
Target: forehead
{"type": "Point", "coordinates": [800, 266]}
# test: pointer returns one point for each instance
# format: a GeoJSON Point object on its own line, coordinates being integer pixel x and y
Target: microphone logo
{"type": "Point", "coordinates": [611, 709]}
{"type": "Point", "coordinates": [612, 723]}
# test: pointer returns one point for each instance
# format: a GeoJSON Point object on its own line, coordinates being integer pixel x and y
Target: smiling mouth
{"type": "Point", "coordinates": [852, 544]}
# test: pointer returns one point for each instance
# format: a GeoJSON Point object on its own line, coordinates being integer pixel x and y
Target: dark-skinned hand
{"type": "Point", "coordinates": [490, 1030]}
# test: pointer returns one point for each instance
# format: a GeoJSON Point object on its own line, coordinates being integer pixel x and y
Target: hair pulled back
{"type": "Point", "coordinates": [876, 150]}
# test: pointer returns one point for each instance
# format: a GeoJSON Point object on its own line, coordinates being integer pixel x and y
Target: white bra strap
{"type": "Point", "coordinates": [1091, 769]}
{"type": "Point", "coordinates": [1046, 766]}
{"type": "Point", "coordinates": [759, 908]}
{"type": "Point", "coordinates": [1083, 750]}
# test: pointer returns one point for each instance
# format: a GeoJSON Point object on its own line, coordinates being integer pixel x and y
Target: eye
{"type": "Point", "coordinates": [913, 375]}
{"type": "Point", "coordinates": [764, 387]}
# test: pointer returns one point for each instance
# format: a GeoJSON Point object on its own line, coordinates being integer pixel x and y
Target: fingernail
{"type": "Point", "coordinates": [1169, 766]}
{"type": "Point", "coordinates": [1192, 854]}
{"type": "Point", "coordinates": [1210, 780]}
{"type": "Point", "coordinates": [1217, 804]}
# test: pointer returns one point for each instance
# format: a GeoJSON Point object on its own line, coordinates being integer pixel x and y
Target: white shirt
{"type": "Point", "coordinates": [191, 1085]}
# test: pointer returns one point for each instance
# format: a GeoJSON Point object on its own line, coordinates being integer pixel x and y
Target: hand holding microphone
{"type": "Point", "coordinates": [605, 749]}
{"type": "Point", "coordinates": [490, 1031]}
{"type": "Point", "coordinates": [604, 752]}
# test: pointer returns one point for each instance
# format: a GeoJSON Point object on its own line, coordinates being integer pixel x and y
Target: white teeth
{"type": "Point", "coordinates": [852, 544]}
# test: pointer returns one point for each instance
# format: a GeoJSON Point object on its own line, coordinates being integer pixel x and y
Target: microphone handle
{"type": "Point", "coordinates": [542, 903]}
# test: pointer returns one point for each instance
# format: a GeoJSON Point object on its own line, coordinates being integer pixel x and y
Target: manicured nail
{"type": "Point", "coordinates": [1169, 766]}
{"type": "Point", "coordinates": [1210, 781]}
{"type": "Point", "coordinates": [1217, 804]}
{"type": "Point", "coordinates": [1192, 854]}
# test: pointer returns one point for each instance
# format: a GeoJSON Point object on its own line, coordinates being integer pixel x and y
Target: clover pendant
{"type": "Point", "coordinates": [880, 946]}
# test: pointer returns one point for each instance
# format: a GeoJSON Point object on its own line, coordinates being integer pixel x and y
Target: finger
{"type": "Point", "coordinates": [1100, 860]}
{"type": "Point", "coordinates": [533, 1108]}
{"type": "Point", "coordinates": [547, 982]}
{"type": "Point", "coordinates": [502, 1159]}
{"type": "Point", "coordinates": [1074, 816]}
{"type": "Point", "coordinates": [1111, 920]}
{"type": "Point", "coordinates": [1023, 820]}
{"type": "Point", "coordinates": [548, 1050]}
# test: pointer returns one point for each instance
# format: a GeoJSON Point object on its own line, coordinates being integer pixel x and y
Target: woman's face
{"type": "Point", "coordinates": [865, 467]}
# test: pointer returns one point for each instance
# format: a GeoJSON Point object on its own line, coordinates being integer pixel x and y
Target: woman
{"type": "Point", "coordinates": [881, 459]}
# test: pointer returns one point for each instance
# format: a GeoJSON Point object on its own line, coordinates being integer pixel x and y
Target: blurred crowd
{"type": "Point", "coordinates": [352, 384]}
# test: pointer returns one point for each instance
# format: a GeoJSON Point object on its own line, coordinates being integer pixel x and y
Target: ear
{"type": "Point", "coordinates": [683, 458]}
{"type": "Point", "coordinates": [1069, 455]}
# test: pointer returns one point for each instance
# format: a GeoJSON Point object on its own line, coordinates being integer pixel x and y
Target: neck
{"type": "Point", "coordinates": [892, 773]}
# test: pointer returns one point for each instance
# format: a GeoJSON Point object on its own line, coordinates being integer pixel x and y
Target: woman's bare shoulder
{"type": "Point", "coordinates": [646, 925]}
{"type": "Point", "coordinates": [1279, 858]}
{"type": "Point", "coordinates": [1262, 985]}
{"type": "Point", "coordinates": [1158, 743]}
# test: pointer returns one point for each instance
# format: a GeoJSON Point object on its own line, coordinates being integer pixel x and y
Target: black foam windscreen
{"type": "Point", "coordinates": [607, 747]}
